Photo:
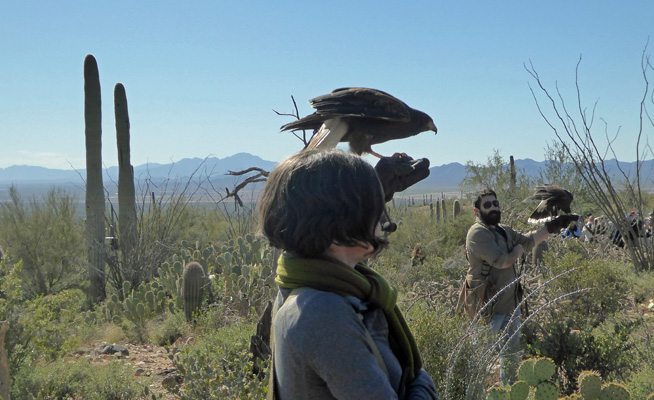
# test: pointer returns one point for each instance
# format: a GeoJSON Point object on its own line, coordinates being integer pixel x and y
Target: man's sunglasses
{"type": "Point", "coordinates": [488, 204]}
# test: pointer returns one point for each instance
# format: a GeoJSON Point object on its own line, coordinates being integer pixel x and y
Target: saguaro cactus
{"type": "Point", "coordinates": [456, 208]}
{"type": "Point", "coordinates": [438, 210]}
{"type": "Point", "coordinates": [513, 173]}
{"type": "Point", "coordinates": [95, 202]}
{"type": "Point", "coordinates": [193, 288]}
{"type": "Point", "coordinates": [4, 362]}
{"type": "Point", "coordinates": [126, 192]}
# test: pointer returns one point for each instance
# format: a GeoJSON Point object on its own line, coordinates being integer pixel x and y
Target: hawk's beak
{"type": "Point", "coordinates": [432, 127]}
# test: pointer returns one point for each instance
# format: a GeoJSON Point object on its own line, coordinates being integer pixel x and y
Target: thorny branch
{"type": "Point", "coordinates": [296, 115]}
{"type": "Point", "coordinates": [579, 142]}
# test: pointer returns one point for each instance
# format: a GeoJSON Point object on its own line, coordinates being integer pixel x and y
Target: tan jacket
{"type": "Point", "coordinates": [487, 250]}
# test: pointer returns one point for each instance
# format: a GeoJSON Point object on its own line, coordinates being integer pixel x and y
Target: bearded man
{"type": "Point", "coordinates": [492, 250]}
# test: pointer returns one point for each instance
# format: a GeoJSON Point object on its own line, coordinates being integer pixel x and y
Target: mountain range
{"type": "Point", "coordinates": [443, 178]}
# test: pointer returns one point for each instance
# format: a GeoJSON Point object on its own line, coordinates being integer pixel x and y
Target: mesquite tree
{"type": "Point", "coordinates": [95, 200]}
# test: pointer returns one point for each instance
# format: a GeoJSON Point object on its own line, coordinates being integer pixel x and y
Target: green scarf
{"type": "Point", "coordinates": [362, 283]}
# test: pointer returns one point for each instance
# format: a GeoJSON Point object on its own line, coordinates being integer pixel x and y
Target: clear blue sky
{"type": "Point", "coordinates": [203, 77]}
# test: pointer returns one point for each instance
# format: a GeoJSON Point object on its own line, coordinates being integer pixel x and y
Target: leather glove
{"type": "Point", "coordinates": [560, 222]}
{"type": "Point", "coordinates": [399, 172]}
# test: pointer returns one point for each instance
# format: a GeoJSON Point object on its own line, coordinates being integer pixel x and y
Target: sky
{"type": "Point", "coordinates": [203, 78]}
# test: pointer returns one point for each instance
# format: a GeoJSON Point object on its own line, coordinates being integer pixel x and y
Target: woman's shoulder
{"type": "Point", "coordinates": [314, 313]}
{"type": "Point", "coordinates": [310, 304]}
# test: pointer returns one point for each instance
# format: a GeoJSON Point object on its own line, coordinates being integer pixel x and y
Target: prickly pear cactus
{"type": "Point", "coordinates": [590, 385]}
{"type": "Point", "coordinates": [498, 393]}
{"type": "Point", "coordinates": [544, 368]}
{"type": "Point", "coordinates": [614, 391]}
{"type": "Point", "coordinates": [193, 289]}
{"type": "Point", "coordinates": [240, 272]}
{"type": "Point", "coordinates": [519, 390]}
{"type": "Point", "coordinates": [573, 396]}
{"type": "Point", "coordinates": [546, 391]}
{"type": "Point", "coordinates": [526, 372]}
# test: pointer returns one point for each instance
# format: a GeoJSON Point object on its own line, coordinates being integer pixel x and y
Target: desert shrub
{"type": "Point", "coordinates": [607, 349]}
{"type": "Point", "coordinates": [43, 328]}
{"type": "Point", "coordinates": [50, 324]}
{"type": "Point", "coordinates": [79, 380]}
{"type": "Point", "coordinates": [46, 236]}
{"type": "Point", "coordinates": [642, 287]}
{"type": "Point", "coordinates": [219, 366]}
{"type": "Point", "coordinates": [455, 353]}
{"type": "Point", "coordinates": [165, 329]}
{"type": "Point", "coordinates": [607, 280]}
{"type": "Point", "coordinates": [641, 384]}
{"type": "Point", "coordinates": [439, 245]}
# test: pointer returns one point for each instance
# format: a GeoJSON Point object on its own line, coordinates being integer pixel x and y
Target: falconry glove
{"type": "Point", "coordinates": [399, 172]}
{"type": "Point", "coordinates": [560, 222]}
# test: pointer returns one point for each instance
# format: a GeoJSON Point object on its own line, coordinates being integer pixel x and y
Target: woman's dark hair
{"type": "Point", "coordinates": [316, 198]}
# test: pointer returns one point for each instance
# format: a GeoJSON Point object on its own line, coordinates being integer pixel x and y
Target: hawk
{"type": "Point", "coordinates": [362, 117]}
{"type": "Point", "coordinates": [552, 200]}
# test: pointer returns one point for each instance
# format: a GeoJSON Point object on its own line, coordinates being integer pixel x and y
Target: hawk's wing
{"type": "Point", "coordinates": [552, 200]}
{"type": "Point", "coordinates": [361, 102]}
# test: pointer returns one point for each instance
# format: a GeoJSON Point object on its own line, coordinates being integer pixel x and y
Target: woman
{"type": "Point", "coordinates": [337, 333]}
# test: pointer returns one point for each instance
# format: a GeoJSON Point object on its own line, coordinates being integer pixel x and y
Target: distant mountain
{"type": "Point", "coordinates": [184, 168]}
{"type": "Point", "coordinates": [446, 177]}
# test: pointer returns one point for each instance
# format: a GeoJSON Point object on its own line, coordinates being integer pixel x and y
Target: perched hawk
{"type": "Point", "coordinates": [363, 117]}
{"type": "Point", "coordinates": [552, 200]}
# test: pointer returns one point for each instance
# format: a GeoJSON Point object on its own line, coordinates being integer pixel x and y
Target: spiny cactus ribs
{"type": "Point", "coordinates": [193, 289]}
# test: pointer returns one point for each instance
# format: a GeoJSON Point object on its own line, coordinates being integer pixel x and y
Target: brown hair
{"type": "Point", "coordinates": [316, 198]}
{"type": "Point", "coordinates": [482, 193]}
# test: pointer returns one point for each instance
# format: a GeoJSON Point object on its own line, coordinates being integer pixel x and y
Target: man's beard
{"type": "Point", "coordinates": [491, 218]}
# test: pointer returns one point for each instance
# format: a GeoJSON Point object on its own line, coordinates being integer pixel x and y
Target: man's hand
{"type": "Point", "coordinates": [560, 222]}
{"type": "Point", "coordinates": [399, 172]}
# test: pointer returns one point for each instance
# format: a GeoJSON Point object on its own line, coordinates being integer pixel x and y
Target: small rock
{"type": "Point", "coordinates": [113, 348]}
{"type": "Point", "coordinates": [139, 372]}
{"type": "Point", "coordinates": [171, 381]}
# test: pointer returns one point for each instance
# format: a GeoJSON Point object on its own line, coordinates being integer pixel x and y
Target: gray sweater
{"type": "Point", "coordinates": [322, 350]}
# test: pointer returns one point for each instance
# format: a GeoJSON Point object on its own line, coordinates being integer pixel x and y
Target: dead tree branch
{"type": "Point", "coordinates": [614, 196]}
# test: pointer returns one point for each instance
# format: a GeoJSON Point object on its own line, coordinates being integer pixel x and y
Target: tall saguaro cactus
{"type": "Point", "coordinates": [95, 201]}
{"type": "Point", "coordinates": [126, 193]}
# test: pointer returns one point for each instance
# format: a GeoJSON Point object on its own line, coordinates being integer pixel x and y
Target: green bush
{"type": "Point", "coordinates": [607, 349]}
{"type": "Point", "coordinates": [454, 352]}
{"type": "Point", "coordinates": [641, 384]}
{"type": "Point", "coordinates": [220, 367]}
{"type": "Point", "coordinates": [48, 238]}
{"type": "Point", "coordinates": [606, 281]}
{"type": "Point", "coordinates": [165, 329]}
{"type": "Point", "coordinates": [78, 380]}
{"type": "Point", "coordinates": [440, 244]}
{"type": "Point", "coordinates": [43, 328]}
